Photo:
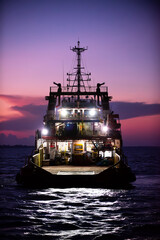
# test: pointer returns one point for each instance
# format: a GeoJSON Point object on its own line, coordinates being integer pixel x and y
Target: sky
{"type": "Point", "coordinates": [123, 51]}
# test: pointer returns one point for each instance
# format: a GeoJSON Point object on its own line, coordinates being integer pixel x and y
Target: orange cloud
{"type": "Point", "coordinates": [7, 103]}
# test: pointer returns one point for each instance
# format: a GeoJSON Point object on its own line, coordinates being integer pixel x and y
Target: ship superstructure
{"type": "Point", "coordinates": [81, 135]}
{"type": "Point", "coordinates": [79, 127]}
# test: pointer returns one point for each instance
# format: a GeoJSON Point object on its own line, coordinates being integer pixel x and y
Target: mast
{"type": "Point", "coordinates": [78, 81]}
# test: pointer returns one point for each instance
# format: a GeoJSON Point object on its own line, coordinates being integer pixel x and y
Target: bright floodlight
{"type": "Point", "coordinates": [44, 131]}
{"type": "Point", "coordinates": [104, 128]}
{"type": "Point", "coordinates": [92, 112]}
{"type": "Point", "coordinates": [64, 112]}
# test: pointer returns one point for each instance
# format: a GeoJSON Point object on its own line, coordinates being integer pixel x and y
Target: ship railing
{"type": "Point", "coordinates": [83, 89]}
{"type": "Point", "coordinates": [117, 160]}
{"type": "Point", "coordinates": [72, 118]}
{"type": "Point", "coordinates": [120, 160]}
{"type": "Point", "coordinates": [84, 103]}
{"type": "Point", "coordinates": [37, 159]}
{"type": "Point", "coordinates": [82, 135]}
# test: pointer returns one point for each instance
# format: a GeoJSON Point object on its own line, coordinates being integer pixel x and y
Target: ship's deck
{"type": "Point", "coordinates": [74, 170]}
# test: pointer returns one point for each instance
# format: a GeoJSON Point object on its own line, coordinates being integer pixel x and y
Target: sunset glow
{"type": "Point", "coordinates": [123, 44]}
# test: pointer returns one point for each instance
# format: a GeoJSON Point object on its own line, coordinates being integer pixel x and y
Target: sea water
{"type": "Point", "coordinates": [81, 213]}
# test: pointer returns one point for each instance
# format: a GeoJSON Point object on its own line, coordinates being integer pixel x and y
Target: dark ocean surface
{"type": "Point", "coordinates": [81, 213]}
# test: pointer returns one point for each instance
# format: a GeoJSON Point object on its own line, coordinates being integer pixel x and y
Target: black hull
{"type": "Point", "coordinates": [33, 176]}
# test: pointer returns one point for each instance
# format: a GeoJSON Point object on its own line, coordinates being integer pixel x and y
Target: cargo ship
{"type": "Point", "coordinates": [81, 142]}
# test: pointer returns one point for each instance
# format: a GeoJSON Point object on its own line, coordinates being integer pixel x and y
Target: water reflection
{"type": "Point", "coordinates": [66, 213]}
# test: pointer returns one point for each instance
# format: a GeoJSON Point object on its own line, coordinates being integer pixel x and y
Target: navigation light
{"type": "Point", "coordinates": [44, 131]}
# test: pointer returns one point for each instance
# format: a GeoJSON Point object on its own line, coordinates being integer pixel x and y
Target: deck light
{"type": "Point", "coordinates": [105, 129]}
{"type": "Point", "coordinates": [64, 112]}
{"type": "Point", "coordinates": [92, 112]}
{"type": "Point", "coordinates": [44, 131]}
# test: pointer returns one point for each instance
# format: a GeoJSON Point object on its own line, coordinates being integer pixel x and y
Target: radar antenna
{"type": "Point", "coordinates": [78, 80]}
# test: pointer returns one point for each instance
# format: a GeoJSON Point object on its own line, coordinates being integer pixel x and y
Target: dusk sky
{"type": "Point", "coordinates": [123, 39]}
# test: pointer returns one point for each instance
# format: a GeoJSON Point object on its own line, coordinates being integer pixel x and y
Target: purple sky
{"type": "Point", "coordinates": [123, 51]}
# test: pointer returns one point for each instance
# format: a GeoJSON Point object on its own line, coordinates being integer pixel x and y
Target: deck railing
{"type": "Point", "coordinates": [83, 89]}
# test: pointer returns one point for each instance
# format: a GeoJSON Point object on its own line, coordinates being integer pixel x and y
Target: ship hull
{"type": "Point", "coordinates": [112, 177]}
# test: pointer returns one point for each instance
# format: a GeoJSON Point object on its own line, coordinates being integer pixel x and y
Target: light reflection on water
{"type": "Point", "coordinates": [81, 213]}
{"type": "Point", "coordinates": [65, 213]}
